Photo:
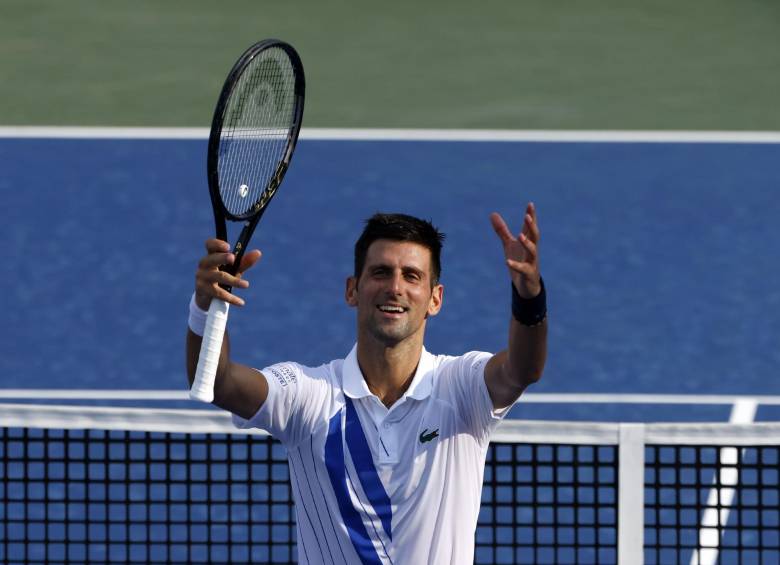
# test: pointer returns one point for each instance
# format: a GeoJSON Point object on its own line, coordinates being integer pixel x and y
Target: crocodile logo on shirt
{"type": "Point", "coordinates": [425, 436]}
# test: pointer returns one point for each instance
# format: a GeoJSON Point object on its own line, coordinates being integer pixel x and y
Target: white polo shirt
{"type": "Point", "coordinates": [376, 485]}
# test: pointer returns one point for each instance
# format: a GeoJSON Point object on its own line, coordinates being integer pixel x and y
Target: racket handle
{"type": "Point", "coordinates": [203, 386]}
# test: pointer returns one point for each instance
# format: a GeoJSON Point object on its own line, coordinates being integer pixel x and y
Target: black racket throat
{"type": "Point", "coordinates": [240, 246]}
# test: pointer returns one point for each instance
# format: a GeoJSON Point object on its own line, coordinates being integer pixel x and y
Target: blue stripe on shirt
{"type": "Point", "coordinates": [364, 464]}
{"type": "Point", "coordinates": [334, 461]}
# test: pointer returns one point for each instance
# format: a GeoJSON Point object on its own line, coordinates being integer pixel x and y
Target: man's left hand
{"type": "Point", "coordinates": [521, 252]}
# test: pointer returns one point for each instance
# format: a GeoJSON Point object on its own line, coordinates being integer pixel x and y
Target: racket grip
{"type": "Point", "coordinates": [203, 386]}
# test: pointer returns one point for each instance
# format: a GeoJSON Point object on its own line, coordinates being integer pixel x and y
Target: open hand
{"type": "Point", "coordinates": [521, 252]}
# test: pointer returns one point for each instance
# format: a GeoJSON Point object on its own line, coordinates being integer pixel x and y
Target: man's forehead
{"type": "Point", "coordinates": [407, 253]}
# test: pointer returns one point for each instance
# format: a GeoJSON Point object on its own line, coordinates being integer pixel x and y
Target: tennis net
{"type": "Point", "coordinates": [89, 484]}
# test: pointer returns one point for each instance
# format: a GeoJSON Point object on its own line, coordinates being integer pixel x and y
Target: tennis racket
{"type": "Point", "coordinates": [253, 135]}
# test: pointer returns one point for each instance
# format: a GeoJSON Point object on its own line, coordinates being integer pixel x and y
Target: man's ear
{"type": "Point", "coordinates": [350, 293]}
{"type": "Point", "coordinates": [437, 296]}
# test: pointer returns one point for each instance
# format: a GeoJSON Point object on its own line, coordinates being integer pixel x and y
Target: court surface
{"type": "Point", "coordinates": [659, 258]}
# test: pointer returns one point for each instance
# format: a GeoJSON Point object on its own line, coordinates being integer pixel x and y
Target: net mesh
{"type": "Point", "coordinates": [705, 504]}
{"type": "Point", "coordinates": [93, 496]}
{"type": "Point", "coordinates": [548, 504]}
{"type": "Point", "coordinates": [124, 496]}
{"type": "Point", "coordinates": [257, 122]}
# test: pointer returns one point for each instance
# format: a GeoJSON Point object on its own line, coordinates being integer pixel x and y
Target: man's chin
{"type": "Point", "coordinates": [390, 336]}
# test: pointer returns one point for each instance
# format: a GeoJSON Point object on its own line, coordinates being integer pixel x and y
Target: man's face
{"type": "Point", "coordinates": [394, 294]}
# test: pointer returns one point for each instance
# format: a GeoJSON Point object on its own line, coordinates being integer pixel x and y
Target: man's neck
{"type": "Point", "coordinates": [388, 370]}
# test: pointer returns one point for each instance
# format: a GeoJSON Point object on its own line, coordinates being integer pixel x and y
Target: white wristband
{"type": "Point", "coordinates": [197, 320]}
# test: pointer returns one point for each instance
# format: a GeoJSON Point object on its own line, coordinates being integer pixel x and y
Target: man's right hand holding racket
{"type": "Point", "coordinates": [237, 388]}
{"type": "Point", "coordinates": [208, 277]}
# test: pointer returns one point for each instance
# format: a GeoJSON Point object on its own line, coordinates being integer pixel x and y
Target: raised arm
{"type": "Point", "coordinates": [237, 388]}
{"type": "Point", "coordinates": [509, 372]}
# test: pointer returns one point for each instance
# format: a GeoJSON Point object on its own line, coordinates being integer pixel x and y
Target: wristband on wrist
{"type": "Point", "coordinates": [529, 311]}
{"type": "Point", "coordinates": [197, 319]}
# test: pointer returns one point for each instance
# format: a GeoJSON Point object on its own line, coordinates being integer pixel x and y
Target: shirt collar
{"type": "Point", "coordinates": [355, 385]}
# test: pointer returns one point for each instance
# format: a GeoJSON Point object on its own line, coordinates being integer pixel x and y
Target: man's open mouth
{"type": "Point", "coordinates": [389, 309]}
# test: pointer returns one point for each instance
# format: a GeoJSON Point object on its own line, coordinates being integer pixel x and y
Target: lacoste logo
{"type": "Point", "coordinates": [425, 436]}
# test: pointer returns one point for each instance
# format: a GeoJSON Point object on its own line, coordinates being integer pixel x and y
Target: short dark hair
{"type": "Point", "coordinates": [400, 227]}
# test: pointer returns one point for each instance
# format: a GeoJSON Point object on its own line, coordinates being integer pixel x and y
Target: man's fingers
{"type": "Point", "coordinates": [224, 278]}
{"type": "Point", "coordinates": [228, 297]}
{"type": "Point", "coordinates": [207, 286]}
{"type": "Point", "coordinates": [529, 246]}
{"type": "Point", "coordinates": [249, 259]}
{"type": "Point", "coordinates": [216, 260]}
{"type": "Point", "coordinates": [530, 226]}
{"type": "Point", "coordinates": [521, 252]}
{"type": "Point", "coordinates": [210, 278]}
{"type": "Point", "coordinates": [534, 228]}
{"type": "Point", "coordinates": [213, 290]}
{"type": "Point", "coordinates": [214, 245]}
{"type": "Point", "coordinates": [203, 296]}
{"type": "Point", "coordinates": [500, 227]}
{"type": "Point", "coordinates": [521, 267]}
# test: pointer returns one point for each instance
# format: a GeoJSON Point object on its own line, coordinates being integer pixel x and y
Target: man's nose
{"type": "Point", "coordinates": [396, 283]}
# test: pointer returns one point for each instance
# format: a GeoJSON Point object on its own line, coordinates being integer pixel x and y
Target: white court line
{"type": "Point", "coordinates": [588, 136]}
{"type": "Point", "coordinates": [89, 394]}
{"type": "Point", "coordinates": [631, 398]}
{"type": "Point", "coordinates": [390, 134]}
{"type": "Point", "coordinates": [714, 521]}
{"type": "Point", "coordinates": [72, 132]}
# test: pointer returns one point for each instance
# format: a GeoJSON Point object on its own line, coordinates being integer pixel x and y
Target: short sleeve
{"type": "Point", "coordinates": [296, 395]}
{"type": "Point", "coordinates": [464, 380]}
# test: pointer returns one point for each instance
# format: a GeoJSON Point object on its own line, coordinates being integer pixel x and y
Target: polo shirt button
{"type": "Point", "coordinates": [386, 426]}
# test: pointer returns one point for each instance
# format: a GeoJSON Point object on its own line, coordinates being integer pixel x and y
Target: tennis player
{"type": "Point", "coordinates": [387, 446]}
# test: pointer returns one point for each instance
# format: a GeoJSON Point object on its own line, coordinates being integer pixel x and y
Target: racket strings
{"type": "Point", "coordinates": [258, 118]}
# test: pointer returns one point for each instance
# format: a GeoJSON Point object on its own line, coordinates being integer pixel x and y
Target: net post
{"type": "Point", "coordinates": [631, 500]}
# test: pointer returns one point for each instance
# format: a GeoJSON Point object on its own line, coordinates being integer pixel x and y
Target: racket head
{"type": "Point", "coordinates": [254, 130]}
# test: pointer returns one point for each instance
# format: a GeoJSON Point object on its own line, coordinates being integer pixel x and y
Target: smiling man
{"type": "Point", "coordinates": [387, 446]}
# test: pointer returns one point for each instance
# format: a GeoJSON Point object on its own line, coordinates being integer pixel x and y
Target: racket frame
{"type": "Point", "coordinates": [252, 217]}
{"type": "Point", "coordinates": [203, 385]}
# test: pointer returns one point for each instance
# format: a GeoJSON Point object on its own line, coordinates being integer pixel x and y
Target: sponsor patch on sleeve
{"type": "Point", "coordinates": [479, 367]}
{"type": "Point", "coordinates": [284, 375]}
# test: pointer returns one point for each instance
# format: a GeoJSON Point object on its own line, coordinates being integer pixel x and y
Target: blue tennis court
{"type": "Point", "coordinates": [658, 258]}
